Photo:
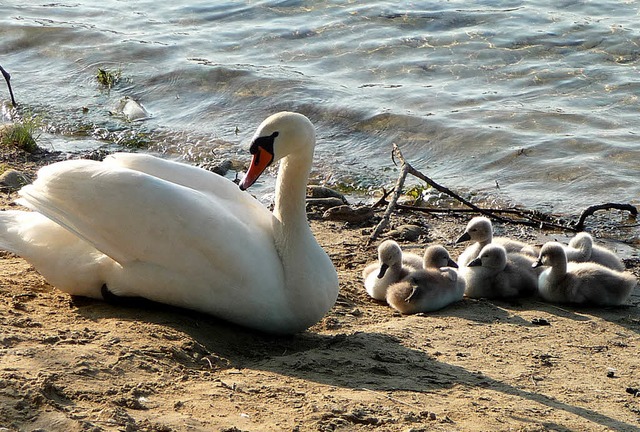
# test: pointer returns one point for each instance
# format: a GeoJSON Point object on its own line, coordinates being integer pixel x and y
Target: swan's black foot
{"type": "Point", "coordinates": [115, 299]}
{"type": "Point", "coordinates": [110, 297]}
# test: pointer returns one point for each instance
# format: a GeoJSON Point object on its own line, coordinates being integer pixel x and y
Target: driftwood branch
{"type": "Point", "coordinates": [397, 191]}
{"type": "Point", "coordinates": [591, 210]}
{"type": "Point", "coordinates": [524, 217]}
{"type": "Point", "coordinates": [7, 78]}
{"type": "Point", "coordinates": [383, 198]}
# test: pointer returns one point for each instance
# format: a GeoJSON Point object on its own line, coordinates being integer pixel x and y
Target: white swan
{"type": "Point", "coordinates": [584, 283]}
{"type": "Point", "coordinates": [429, 289]}
{"type": "Point", "coordinates": [136, 225]}
{"type": "Point", "coordinates": [582, 249]}
{"type": "Point", "coordinates": [480, 231]}
{"type": "Point", "coordinates": [496, 274]}
{"type": "Point", "coordinates": [392, 265]}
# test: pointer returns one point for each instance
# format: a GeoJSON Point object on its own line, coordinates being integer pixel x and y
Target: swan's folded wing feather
{"type": "Point", "coordinates": [192, 177]}
{"type": "Point", "coordinates": [132, 216]}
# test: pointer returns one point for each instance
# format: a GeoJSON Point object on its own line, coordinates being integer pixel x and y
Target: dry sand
{"type": "Point", "coordinates": [73, 364]}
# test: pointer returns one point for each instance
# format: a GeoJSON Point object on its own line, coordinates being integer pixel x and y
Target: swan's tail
{"type": "Point", "coordinates": [12, 230]}
{"type": "Point", "coordinates": [65, 192]}
{"type": "Point", "coordinates": [30, 234]}
{"type": "Point", "coordinates": [64, 260]}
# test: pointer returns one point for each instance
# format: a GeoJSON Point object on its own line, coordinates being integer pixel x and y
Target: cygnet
{"type": "Point", "coordinates": [494, 274]}
{"type": "Point", "coordinates": [436, 256]}
{"type": "Point", "coordinates": [391, 267]}
{"type": "Point", "coordinates": [480, 231]}
{"type": "Point", "coordinates": [585, 283]}
{"type": "Point", "coordinates": [582, 249]}
{"type": "Point", "coordinates": [426, 290]}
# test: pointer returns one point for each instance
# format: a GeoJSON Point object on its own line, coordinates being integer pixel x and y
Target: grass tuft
{"type": "Point", "coordinates": [21, 135]}
{"type": "Point", "coordinates": [108, 78]}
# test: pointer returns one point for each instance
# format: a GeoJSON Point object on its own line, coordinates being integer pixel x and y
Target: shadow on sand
{"type": "Point", "coordinates": [360, 360]}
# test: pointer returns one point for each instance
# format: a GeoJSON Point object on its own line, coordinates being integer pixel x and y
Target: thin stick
{"type": "Point", "coordinates": [7, 78]}
{"type": "Point", "coordinates": [528, 218]}
{"type": "Point", "coordinates": [591, 210]}
{"type": "Point", "coordinates": [392, 398]}
{"type": "Point", "coordinates": [411, 170]}
{"type": "Point", "coordinates": [397, 191]}
{"type": "Point", "coordinates": [383, 198]}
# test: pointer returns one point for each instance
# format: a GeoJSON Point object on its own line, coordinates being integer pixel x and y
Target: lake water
{"type": "Point", "coordinates": [538, 97]}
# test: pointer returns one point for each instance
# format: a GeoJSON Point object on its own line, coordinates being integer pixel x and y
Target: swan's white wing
{"type": "Point", "coordinates": [192, 177]}
{"type": "Point", "coordinates": [135, 217]}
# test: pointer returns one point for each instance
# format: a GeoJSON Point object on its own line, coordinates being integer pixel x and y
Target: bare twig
{"type": "Point", "coordinates": [383, 198]}
{"type": "Point", "coordinates": [397, 191]}
{"type": "Point", "coordinates": [411, 170]}
{"type": "Point", "coordinates": [7, 78]}
{"type": "Point", "coordinates": [528, 218]}
{"type": "Point", "coordinates": [392, 398]}
{"type": "Point", "coordinates": [405, 169]}
{"type": "Point", "coordinates": [591, 210]}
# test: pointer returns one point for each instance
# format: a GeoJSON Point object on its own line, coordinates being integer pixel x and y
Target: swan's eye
{"type": "Point", "coordinates": [265, 142]}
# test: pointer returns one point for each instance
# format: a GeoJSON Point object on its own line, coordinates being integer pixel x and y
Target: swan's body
{"type": "Point", "coordinates": [429, 289]}
{"type": "Point", "coordinates": [479, 230]}
{"type": "Point", "coordinates": [496, 274]}
{"type": "Point", "coordinates": [583, 283]}
{"type": "Point", "coordinates": [582, 249]}
{"type": "Point", "coordinates": [392, 266]}
{"type": "Point", "coordinates": [180, 235]}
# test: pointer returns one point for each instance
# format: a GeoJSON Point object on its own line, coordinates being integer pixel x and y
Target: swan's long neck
{"type": "Point", "coordinates": [291, 185]}
{"type": "Point", "coordinates": [310, 279]}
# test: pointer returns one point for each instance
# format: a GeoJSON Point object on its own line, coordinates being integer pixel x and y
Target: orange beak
{"type": "Point", "coordinates": [259, 162]}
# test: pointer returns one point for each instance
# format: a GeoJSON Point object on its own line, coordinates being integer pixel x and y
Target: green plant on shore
{"type": "Point", "coordinates": [133, 139]}
{"type": "Point", "coordinates": [349, 187]}
{"type": "Point", "coordinates": [416, 193]}
{"type": "Point", "coordinates": [21, 135]}
{"type": "Point", "coordinates": [108, 78]}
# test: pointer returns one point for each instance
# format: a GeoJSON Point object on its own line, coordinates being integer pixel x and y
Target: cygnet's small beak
{"type": "Point", "coordinates": [452, 263]}
{"type": "Point", "coordinates": [537, 264]}
{"type": "Point", "coordinates": [464, 237]}
{"type": "Point", "coordinates": [383, 270]}
{"type": "Point", "coordinates": [475, 263]}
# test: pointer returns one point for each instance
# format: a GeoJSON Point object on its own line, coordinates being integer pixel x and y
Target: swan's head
{"type": "Point", "coordinates": [582, 240]}
{"type": "Point", "coordinates": [389, 255]}
{"type": "Point", "coordinates": [278, 136]}
{"type": "Point", "coordinates": [479, 229]}
{"type": "Point", "coordinates": [491, 256]}
{"type": "Point", "coordinates": [550, 254]}
{"type": "Point", "coordinates": [436, 256]}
